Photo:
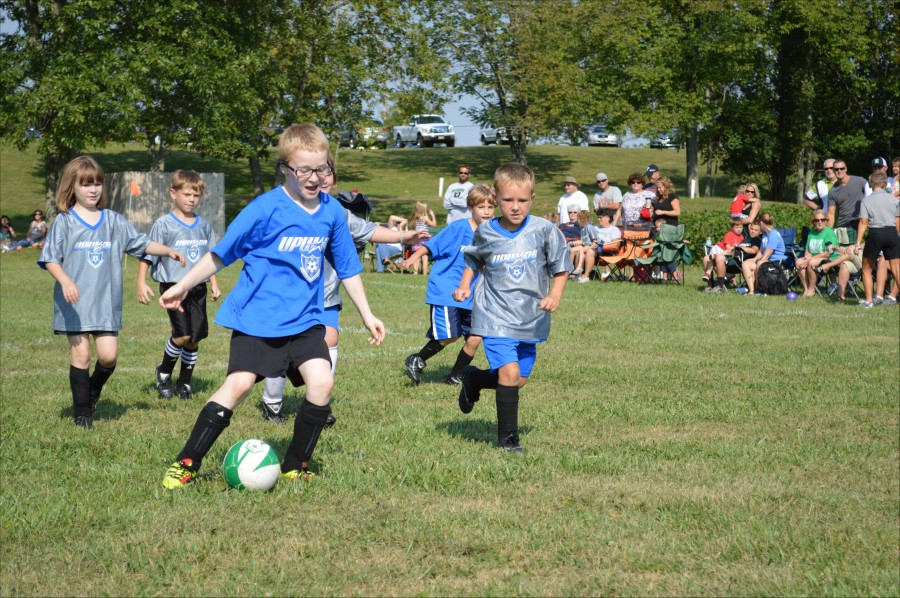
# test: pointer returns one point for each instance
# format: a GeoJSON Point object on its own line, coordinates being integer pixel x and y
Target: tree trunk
{"type": "Point", "coordinates": [156, 152]}
{"type": "Point", "coordinates": [53, 165]}
{"type": "Point", "coordinates": [691, 154]}
{"type": "Point", "coordinates": [708, 187]}
{"type": "Point", "coordinates": [256, 176]}
{"type": "Point", "coordinates": [804, 172]}
{"type": "Point", "coordinates": [517, 146]}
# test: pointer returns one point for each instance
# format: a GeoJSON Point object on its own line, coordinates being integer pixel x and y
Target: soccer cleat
{"type": "Point", "coordinates": [184, 392]}
{"type": "Point", "coordinates": [454, 379]}
{"type": "Point", "coordinates": [272, 415]}
{"type": "Point", "coordinates": [467, 395]}
{"type": "Point", "coordinates": [179, 474]}
{"type": "Point", "coordinates": [510, 443]}
{"type": "Point", "coordinates": [84, 421]}
{"type": "Point", "coordinates": [414, 367]}
{"type": "Point", "coordinates": [164, 385]}
{"type": "Point", "coordinates": [330, 420]}
{"type": "Point", "coordinates": [298, 474]}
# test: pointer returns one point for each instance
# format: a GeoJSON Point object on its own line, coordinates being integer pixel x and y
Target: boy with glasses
{"type": "Point", "coordinates": [456, 194]}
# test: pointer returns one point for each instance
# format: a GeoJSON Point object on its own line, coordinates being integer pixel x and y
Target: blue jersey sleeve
{"type": "Point", "coordinates": [238, 238]}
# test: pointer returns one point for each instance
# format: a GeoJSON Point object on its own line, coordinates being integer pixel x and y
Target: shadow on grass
{"type": "Point", "coordinates": [107, 409]}
{"type": "Point", "coordinates": [478, 430]}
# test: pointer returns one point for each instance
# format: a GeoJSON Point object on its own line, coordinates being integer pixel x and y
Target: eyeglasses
{"type": "Point", "coordinates": [838, 169]}
{"type": "Point", "coordinates": [461, 172]}
{"type": "Point", "coordinates": [305, 172]}
{"type": "Point", "coordinates": [819, 220]}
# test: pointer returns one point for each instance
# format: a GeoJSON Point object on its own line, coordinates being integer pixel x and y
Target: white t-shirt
{"type": "Point", "coordinates": [455, 201]}
{"type": "Point", "coordinates": [611, 195]}
{"type": "Point", "coordinates": [578, 198]}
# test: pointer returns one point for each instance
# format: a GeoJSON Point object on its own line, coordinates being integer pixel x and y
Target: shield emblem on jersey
{"type": "Point", "coordinates": [95, 257]}
{"type": "Point", "coordinates": [193, 252]}
{"type": "Point", "coordinates": [516, 270]}
{"type": "Point", "coordinates": [311, 265]}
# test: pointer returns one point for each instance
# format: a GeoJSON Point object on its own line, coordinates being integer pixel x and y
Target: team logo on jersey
{"type": "Point", "coordinates": [516, 270]}
{"type": "Point", "coordinates": [310, 249]}
{"type": "Point", "coordinates": [192, 248]}
{"type": "Point", "coordinates": [95, 256]}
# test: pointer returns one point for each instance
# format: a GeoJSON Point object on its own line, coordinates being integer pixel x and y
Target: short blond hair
{"type": "Point", "coordinates": [80, 171]}
{"type": "Point", "coordinates": [480, 194]}
{"type": "Point", "coordinates": [306, 137]}
{"type": "Point", "coordinates": [514, 173]}
{"type": "Point", "coordinates": [188, 178]}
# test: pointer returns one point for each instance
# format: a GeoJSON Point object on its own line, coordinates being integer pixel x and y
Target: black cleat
{"type": "Point", "coordinates": [414, 367]}
{"type": "Point", "coordinates": [510, 443]}
{"type": "Point", "coordinates": [184, 392]}
{"type": "Point", "coordinates": [330, 420]}
{"type": "Point", "coordinates": [84, 421]}
{"type": "Point", "coordinates": [270, 415]}
{"type": "Point", "coordinates": [454, 379]}
{"type": "Point", "coordinates": [164, 385]}
{"type": "Point", "coordinates": [467, 395]}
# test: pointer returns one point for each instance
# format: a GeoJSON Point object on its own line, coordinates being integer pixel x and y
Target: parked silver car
{"type": "Point", "coordinates": [496, 135]}
{"type": "Point", "coordinates": [372, 134]}
{"type": "Point", "coordinates": [665, 140]}
{"type": "Point", "coordinates": [598, 135]}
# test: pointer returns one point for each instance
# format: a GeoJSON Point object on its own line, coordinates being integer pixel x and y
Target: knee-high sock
{"type": "Point", "coordinates": [170, 357]}
{"type": "Point", "coordinates": [430, 349]}
{"type": "Point", "coordinates": [307, 426]}
{"type": "Point", "coordinates": [98, 379]}
{"type": "Point", "coordinates": [80, 383]}
{"type": "Point", "coordinates": [507, 410]}
{"type": "Point", "coordinates": [462, 360]}
{"type": "Point", "coordinates": [213, 418]}
{"type": "Point", "coordinates": [188, 360]}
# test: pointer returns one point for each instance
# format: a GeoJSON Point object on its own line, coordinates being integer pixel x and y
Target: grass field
{"type": "Point", "coordinates": [678, 443]}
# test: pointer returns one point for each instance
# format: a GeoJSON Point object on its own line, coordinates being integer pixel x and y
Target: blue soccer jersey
{"type": "Point", "coordinates": [280, 290]}
{"type": "Point", "coordinates": [449, 263]}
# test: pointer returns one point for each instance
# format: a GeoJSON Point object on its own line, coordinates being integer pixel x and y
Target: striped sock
{"type": "Point", "coordinates": [170, 357]}
{"type": "Point", "coordinates": [188, 359]}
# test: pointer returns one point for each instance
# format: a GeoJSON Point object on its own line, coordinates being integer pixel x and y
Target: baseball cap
{"type": "Point", "coordinates": [601, 176]}
{"type": "Point", "coordinates": [879, 162]}
{"type": "Point", "coordinates": [571, 179]}
{"type": "Point", "coordinates": [651, 169]}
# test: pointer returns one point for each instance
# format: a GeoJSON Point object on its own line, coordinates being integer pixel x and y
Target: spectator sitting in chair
{"type": "Point", "coordinates": [37, 230]}
{"type": "Point", "coordinates": [725, 249]}
{"type": "Point", "coordinates": [571, 230]}
{"type": "Point", "coordinates": [385, 251]}
{"type": "Point", "coordinates": [609, 242]}
{"type": "Point", "coordinates": [821, 245]}
{"type": "Point", "coordinates": [847, 263]}
{"type": "Point", "coordinates": [772, 250]}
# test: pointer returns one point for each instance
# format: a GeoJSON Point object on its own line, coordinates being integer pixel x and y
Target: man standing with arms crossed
{"type": "Point", "coordinates": [455, 199]}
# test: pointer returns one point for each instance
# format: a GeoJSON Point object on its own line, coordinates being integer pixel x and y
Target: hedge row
{"type": "Point", "coordinates": [714, 223]}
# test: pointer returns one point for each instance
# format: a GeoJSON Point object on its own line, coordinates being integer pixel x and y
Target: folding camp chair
{"type": "Point", "coordinates": [792, 252]}
{"type": "Point", "coordinates": [669, 253]}
{"type": "Point", "coordinates": [632, 246]}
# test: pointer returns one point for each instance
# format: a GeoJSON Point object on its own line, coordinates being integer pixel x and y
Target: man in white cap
{"type": "Point", "coordinates": [878, 165]}
{"type": "Point", "coordinates": [571, 196]}
{"type": "Point", "coordinates": [608, 199]}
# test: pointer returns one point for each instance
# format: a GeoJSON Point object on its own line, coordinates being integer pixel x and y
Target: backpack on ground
{"type": "Point", "coordinates": [771, 279]}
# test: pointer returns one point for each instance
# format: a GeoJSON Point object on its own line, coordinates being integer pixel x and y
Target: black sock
{"type": "Point", "coordinates": [213, 418]}
{"type": "Point", "coordinates": [170, 357]}
{"type": "Point", "coordinates": [81, 390]}
{"type": "Point", "coordinates": [188, 359]}
{"type": "Point", "coordinates": [462, 360]}
{"type": "Point", "coordinates": [507, 410]}
{"type": "Point", "coordinates": [430, 350]}
{"type": "Point", "coordinates": [307, 426]}
{"type": "Point", "coordinates": [482, 379]}
{"type": "Point", "coordinates": [98, 379]}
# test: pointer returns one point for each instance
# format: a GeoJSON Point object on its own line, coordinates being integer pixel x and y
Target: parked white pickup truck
{"type": "Point", "coordinates": [424, 130]}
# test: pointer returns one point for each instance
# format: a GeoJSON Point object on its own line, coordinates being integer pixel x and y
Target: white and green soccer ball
{"type": "Point", "coordinates": [251, 465]}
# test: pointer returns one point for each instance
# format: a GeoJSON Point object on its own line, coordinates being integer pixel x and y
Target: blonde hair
{"type": "Point", "coordinates": [307, 137]}
{"type": "Point", "coordinates": [513, 173]}
{"type": "Point", "coordinates": [480, 194]}
{"type": "Point", "coordinates": [584, 217]}
{"type": "Point", "coordinates": [667, 183]}
{"type": "Point", "coordinates": [818, 212]}
{"type": "Point", "coordinates": [420, 212]}
{"type": "Point", "coordinates": [83, 170]}
{"type": "Point", "coordinates": [188, 178]}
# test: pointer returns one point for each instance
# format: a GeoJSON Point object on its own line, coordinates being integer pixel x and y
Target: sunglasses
{"type": "Point", "coordinates": [819, 220]}
{"type": "Point", "coordinates": [753, 191]}
{"type": "Point", "coordinates": [838, 169]}
{"type": "Point", "coordinates": [603, 181]}
{"type": "Point", "coordinates": [463, 172]}
{"type": "Point", "coordinates": [829, 168]}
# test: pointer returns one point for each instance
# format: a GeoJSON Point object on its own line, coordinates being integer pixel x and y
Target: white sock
{"type": "Point", "coordinates": [273, 392]}
{"type": "Point", "coordinates": [333, 352]}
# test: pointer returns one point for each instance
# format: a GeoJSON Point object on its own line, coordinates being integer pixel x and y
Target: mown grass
{"type": "Point", "coordinates": [678, 443]}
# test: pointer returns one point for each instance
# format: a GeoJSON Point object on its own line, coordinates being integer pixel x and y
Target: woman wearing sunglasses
{"type": "Point", "coordinates": [821, 246]}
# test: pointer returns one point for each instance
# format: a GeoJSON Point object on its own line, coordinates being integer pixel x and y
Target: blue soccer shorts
{"type": "Point", "coordinates": [501, 351]}
{"type": "Point", "coordinates": [449, 322]}
{"type": "Point", "coordinates": [330, 316]}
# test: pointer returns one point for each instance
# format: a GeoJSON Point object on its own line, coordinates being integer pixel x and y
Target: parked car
{"type": "Point", "coordinates": [665, 140]}
{"type": "Point", "coordinates": [598, 135]}
{"type": "Point", "coordinates": [496, 135]}
{"type": "Point", "coordinates": [372, 134]}
{"type": "Point", "coordinates": [425, 130]}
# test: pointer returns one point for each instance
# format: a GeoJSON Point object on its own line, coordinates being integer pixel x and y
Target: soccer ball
{"type": "Point", "coordinates": [251, 465]}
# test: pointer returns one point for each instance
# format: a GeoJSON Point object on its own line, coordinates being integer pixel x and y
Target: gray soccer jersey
{"type": "Point", "coordinates": [361, 231]}
{"type": "Point", "coordinates": [515, 277]}
{"type": "Point", "coordinates": [92, 258]}
{"type": "Point", "coordinates": [193, 241]}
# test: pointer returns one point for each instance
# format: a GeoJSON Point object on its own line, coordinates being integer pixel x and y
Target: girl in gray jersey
{"type": "Point", "coordinates": [519, 257]}
{"type": "Point", "coordinates": [83, 252]}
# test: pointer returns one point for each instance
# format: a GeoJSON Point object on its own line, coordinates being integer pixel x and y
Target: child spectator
{"type": "Point", "coordinates": [738, 203]}
{"type": "Point", "coordinates": [450, 319]}
{"type": "Point", "coordinates": [276, 308]}
{"type": "Point", "coordinates": [422, 217]}
{"type": "Point", "coordinates": [184, 229]}
{"type": "Point", "coordinates": [586, 248]}
{"type": "Point", "coordinates": [726, 246]}
{"type": "Point", "coordinates": [7, 233]}
{"type": "Point", "coordinates": [37, 230]}
{"type": "Point", "coordinates": [384, 252]}
{"type": "Point", "coordinates": [83, 252]}
{"type": "Point", "coordinates": [517, 256]}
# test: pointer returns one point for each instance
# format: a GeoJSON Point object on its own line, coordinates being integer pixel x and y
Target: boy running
{"type": "Point", "coordinates": [193, 235]}
{"type": "Point", "coordinates": [519, 256]}
{"type": "Point", "coordinates": [450, 319]}
{"type": "Point", "coordinates": [276, 307]}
